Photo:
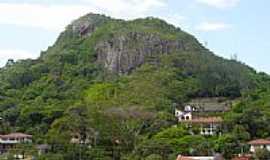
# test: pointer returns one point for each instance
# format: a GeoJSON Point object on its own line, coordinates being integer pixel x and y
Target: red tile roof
{"type": "Point", "coordinates": [205, 120]}
{"type": "Point", "coordinates": [16, 135]}
{"type": "Point", "coordinates": [241, 158]}
{"type": "Point", "coordinates": [180, 157]}
{"type": "Point", "coordinates": [259, 142]}
{"type": "Point", "coordinates": [245, 157]}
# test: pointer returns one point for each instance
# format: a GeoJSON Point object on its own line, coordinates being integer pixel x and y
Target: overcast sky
{"type": "Point", "coordinates": [228, 26]}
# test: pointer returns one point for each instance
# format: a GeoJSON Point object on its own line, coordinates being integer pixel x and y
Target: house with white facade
{"type": "Point", "coordinates": [15, 138]}
{"type": "Point", "coordinates": [259, 144]}
{"type": "Point", "coordinates": [184, 115]}
{"type": "Point", "coordinates": [208, 125]}
{"type": "Point", "coordinates": [11, 140]}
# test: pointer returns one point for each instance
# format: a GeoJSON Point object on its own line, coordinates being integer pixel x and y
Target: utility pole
{"type": "Point", "coordinates": [174, 107]}
{"type": "Point", "coordinates": [205, 43]}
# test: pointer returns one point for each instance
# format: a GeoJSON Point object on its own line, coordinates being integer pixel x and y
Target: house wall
{"type": "Point", "coordinates": [188, 108]}
{"type": "Point", "coordinates": [209, 129]}
{"type": "Point", "coordinates": [182, 116]}
{"type": "Point", "coordinates": [254, 147]}
{"type": "Point", "coordinates": [15, 140]}
{"type": "Point", "coordinates": [178, 113]}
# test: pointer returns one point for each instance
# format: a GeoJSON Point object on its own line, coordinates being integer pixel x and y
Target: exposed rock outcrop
{"type": "Point", "coordinates": [87, 24]}
{"type": "Point", "coordinates": [123, 53]}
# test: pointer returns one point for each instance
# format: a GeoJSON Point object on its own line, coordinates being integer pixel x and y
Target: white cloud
{"type": "Point", "coordinates": [56, 17]}
{"type": "Point", "coordinates": [15, 54]}
{"type": "Point", "coordinates": [221, 4]}
{"type": "Point", "coordinates": [34, 15]}
{"type": "Point", "coordinates": [213, 26]}
{"type": "Point", "coordinates": [126, 8]}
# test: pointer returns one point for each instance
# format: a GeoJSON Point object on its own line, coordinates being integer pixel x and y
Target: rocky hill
{"type": "Point", "coordinates": [116, 79]}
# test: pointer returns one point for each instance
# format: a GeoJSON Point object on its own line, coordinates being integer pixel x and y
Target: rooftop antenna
{"type": "Point", "coordinates": [234, 57]}
{"type": "Point", "coordinates": [205, 43]}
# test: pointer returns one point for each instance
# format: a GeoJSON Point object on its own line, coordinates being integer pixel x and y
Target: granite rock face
{"type": "Point", "coordinates": [87, 24]}
{"type": "Point", "coordinates": [123, 53]}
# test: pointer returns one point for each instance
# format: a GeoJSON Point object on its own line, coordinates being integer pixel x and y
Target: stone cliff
{"type": "Point", "coordinates": [124, 53]}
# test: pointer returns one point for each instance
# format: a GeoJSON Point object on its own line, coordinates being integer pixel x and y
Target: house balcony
{"type": "Point", "coordinates": [9, 141]}
{"type": "Point", "coordinates": [207, 131]}
{"type": "Point", "coordinates": [13, 141]}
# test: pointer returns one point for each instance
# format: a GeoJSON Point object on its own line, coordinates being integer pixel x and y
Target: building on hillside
{"type": "Point", "coordinates": [213, 105]}
{"type": "Point", "coordinates": [78, 139]}
{"type": "Point", "coordinates": [259, 144]}
{"type": "Point", "coordinates": [180, 157]}
{"type": "Point", "coordinates": [10, 141]}
{"type": "Point", "coordinates": [43, 148]}
{"type": "Point", "coordinates": [183, 115]}
{"type": "Point", "coordinates": [15, 138]}
{"type": "Point", "coordinates": [208, 126]}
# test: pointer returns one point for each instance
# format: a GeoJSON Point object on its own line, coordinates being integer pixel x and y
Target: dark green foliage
{"type": "Point", "coordinates": [262, 154]}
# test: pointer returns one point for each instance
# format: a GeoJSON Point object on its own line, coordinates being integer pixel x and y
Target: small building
{"type": "Point", "coordinates": [43, 148]}
{"type": "Point", "coordinates": [78, 139]}
{"type": "Point", "coordinates": [210, 105]}
{"type": "Point", "coordinates": [11, 140]}
{"type": "Point", "coordinates": [183, 115]}
{"type": "Point", "coordinates": [259, 144]}
{"type": "Point", "coordinates": [15, 138]}
{"type": "Point", "coordinates": [180, 157]}
{"type": "Point", "coordinates": [208, 125]}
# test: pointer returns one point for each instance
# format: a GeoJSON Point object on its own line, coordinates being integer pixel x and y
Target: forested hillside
{"type": "Point", "coordinates": [113, 83]}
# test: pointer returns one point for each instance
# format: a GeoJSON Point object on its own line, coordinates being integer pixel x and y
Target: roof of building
{"type": "Point", "coordinates": [16, 135]}
{"type": "Point", "coordinates": [211, 104]}
{"type": "Point", "coordinates": [243, 157]}
{"type": "Point", "coordinates": [43, 146]}
{"type": "Point", "coordinates": [205, 120]}
{"type": "Point", "coordinates": [180, 157]}
{"type": "Point", "coordinates": [259, 142]}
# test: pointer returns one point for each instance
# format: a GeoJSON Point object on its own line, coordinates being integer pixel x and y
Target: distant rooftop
{"type": "Point", "coordinates": [183, 158]}
{"type": "Point", "coordinates": [259, 142]}
{"type": "Point", "coordinates": [243, 157]}
{"type": "Point", "coordinates": [215, 104]}
{"type": "Point", "coordinates": [180, 157]}
{"type": "Point", "coordinates": [205, 120]}
{"type": "Point", "coordinates": [16, 135]}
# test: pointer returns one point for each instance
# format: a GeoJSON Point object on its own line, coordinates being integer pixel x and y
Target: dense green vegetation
{"type": "Point", "coordinates": [66, 94]}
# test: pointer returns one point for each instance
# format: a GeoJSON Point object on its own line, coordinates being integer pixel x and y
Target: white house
{"type": "Point", "coordinates": [259, 144]}
{"type": "Point", "coordinates": [183, 115]}
{"type": "Point", "coordinates": [188, 108]}
{"type": "Point", "coordinates": [15, 138]}
{"type": "Point", "coordinates": [208, 125]}
{"type": "Point", "coordinates": [10, 141]}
